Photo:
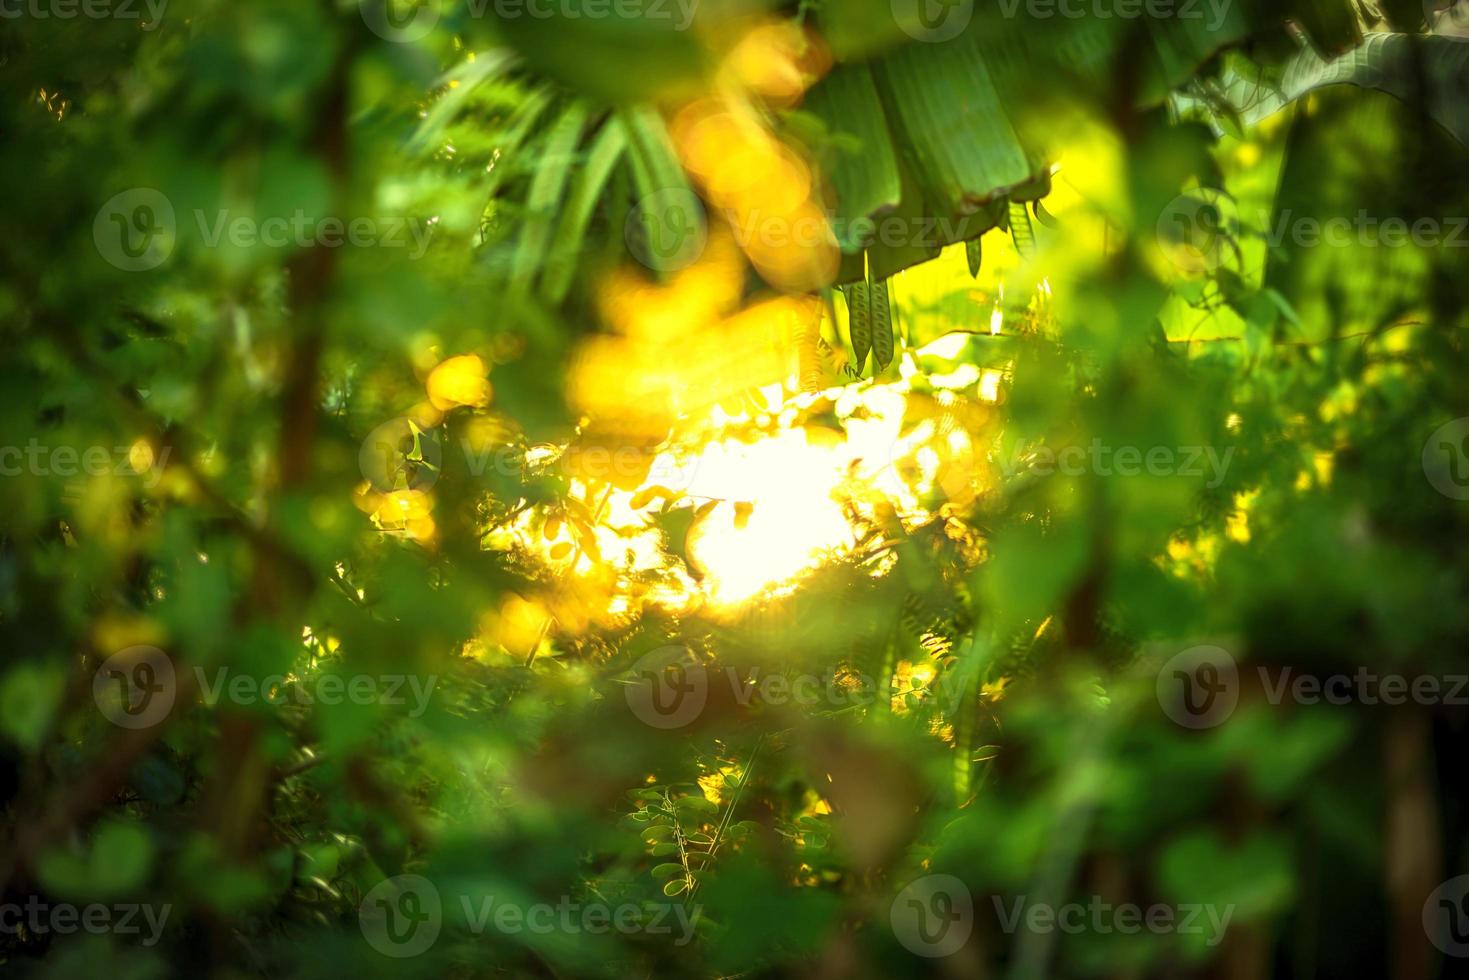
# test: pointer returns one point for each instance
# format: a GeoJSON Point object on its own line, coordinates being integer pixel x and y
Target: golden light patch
{"type": "Point", "coordinates": [459, 381]}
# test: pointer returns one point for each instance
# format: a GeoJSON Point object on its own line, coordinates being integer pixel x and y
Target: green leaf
{"type": "Point", "coordinates": [861, 162]}
{"type": "Point", "coordinates": [521, 123]}
{"type": "Point", "coordinates": [1021, 230]}
{"type": "Point", "coordinates": [1331, 25]}
{"type": "Point", "coordinates": [882, 325]}
{"type": "Point", "coordinates": [1405, 66]}
{"type": "Point", "coordinates": [1254, 875]}
{"type": "Point", "coordinates": [665, 870]}
{"type": "Point", "coordinates": [1403, 15]}
{"type": "Point", "coordinates": [319, 861]}
{"type": "Point", "coordinates": [634, 52]}
{"type": "Point", "coordinates": [117, 860]}
{"type": "Point", "coordinates": [585, 194]}
{"type": "Point", "coordinates": [458, 84]}
{"type": "Point", "coordinates": [740, 828]}
{"type": "Point", "coordinates": [29, 696]}
{"type": "Point", "coordinates": [953, 126]}
{"type": "Point", "coordinates": [914, 215]}
{"type": "Point", "coordinates": [546, 188]}
{"type": "Point", "coordinates": [661, 184]}
{"type": "Point", "coordinates": [859, 323]}
{"type": "Point", "coordinates": [698, 804]}
{"type": "Point", "coordinates": [653, 148]}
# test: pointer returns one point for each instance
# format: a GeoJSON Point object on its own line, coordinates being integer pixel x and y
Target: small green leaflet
{"type": "Point", "coordinates": [859, 320]}
{"type": "Point", "coordinates": [882, 325]}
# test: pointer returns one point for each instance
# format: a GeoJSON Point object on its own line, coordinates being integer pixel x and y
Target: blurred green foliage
{"type": "Point", "coordinates": [394, 768]}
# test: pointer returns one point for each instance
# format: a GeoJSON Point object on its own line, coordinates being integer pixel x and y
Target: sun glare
{"type": "Point", "coordinates": [768, 497]}
{"type": "Point", "coordinates": [765, 462]}
{"type": "Point", "coordinates": [788, 514]}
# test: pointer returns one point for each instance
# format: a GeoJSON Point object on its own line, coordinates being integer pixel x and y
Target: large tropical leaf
{"type": "Point", "coordinates": [861, 162]}
{"type": "Point", "coordinates": [1427, 70]}
{"type": "Point", "coordinates": [953, 125]}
